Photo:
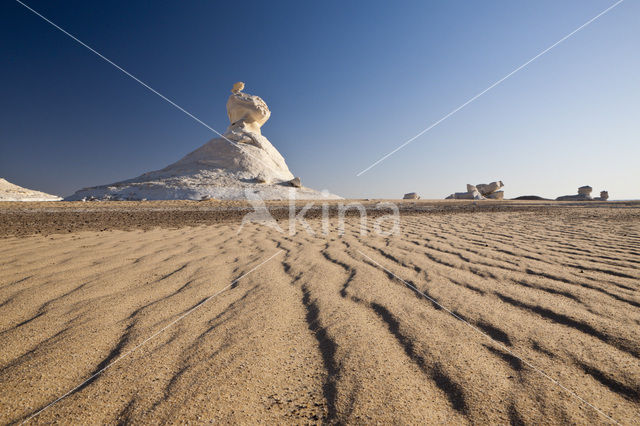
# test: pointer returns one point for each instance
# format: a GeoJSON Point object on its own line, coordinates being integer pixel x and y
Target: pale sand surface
{"type": "Point", "coordinates": [320, 333]}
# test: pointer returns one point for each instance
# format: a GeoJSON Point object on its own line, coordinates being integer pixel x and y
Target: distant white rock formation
{"type": "Point", "coordinates": [11, 192]}
{"type": "Point", "coordinates": [480, 191]}
{"type": "Point", "coordinates": [411, 196]}
{"type": "Point", "coordinates": [242, 164]}
{"type": "Point", "coordinates": [585, 190]}
{"type": "Point", "coordinates": [584, 194]}
{"type": "Point", "coordinates": [486, 189]}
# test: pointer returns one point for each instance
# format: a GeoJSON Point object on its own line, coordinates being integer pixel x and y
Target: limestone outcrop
{"type": "Point", "coordinates": [473, 195]}
{"type": "Point", "coordinates": [480, 191]}
{"type": "Point", "coordinates": [584, 194]}
{"type": "Point", "coordinates": [12, 192]}
{"type": "Point", "coordinates": [247, 113]}
{"type": "Point", "coordinates": [585, 190]}
{"type": "Point", "coordinates": [411, 196]}
{"type": "Point", "coordinates": [242, 164]}
{"type": "Point", "coordinates": [489, 188]}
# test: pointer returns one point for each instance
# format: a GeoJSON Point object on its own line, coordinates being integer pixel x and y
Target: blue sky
{"type": "Point", "coordinates": [346, 82]}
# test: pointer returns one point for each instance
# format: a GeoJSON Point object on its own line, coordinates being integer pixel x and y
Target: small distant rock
{"type": "Point", "coordinates": [262, 178]}
{"type": "Point", "coordinates": [480, 191]}
{"type": "Point", "coordinates": [411, 196]}
{"type": "Point", "coordinates": [295, 182]}
{"type": "Point", "coordinates": [488, 188]}
{"type": "Point", "coordinates": [585, 190]}
{"type": "Point", "coordinates": [604, 196]}
{"type": "Point", "coordinates": [474, 195]}
{"type": "Point", "coordinates": [584, 194]}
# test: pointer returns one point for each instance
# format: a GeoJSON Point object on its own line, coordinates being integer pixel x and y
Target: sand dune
{"type": "Point", "coordinates": [321, 332]}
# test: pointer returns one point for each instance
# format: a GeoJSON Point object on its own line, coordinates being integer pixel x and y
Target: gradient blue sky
{"type": "Point", "coordinates": [346, 83]}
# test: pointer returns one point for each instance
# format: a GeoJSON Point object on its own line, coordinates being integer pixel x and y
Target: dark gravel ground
{"type": "Point", "coordinates": [44, 218]}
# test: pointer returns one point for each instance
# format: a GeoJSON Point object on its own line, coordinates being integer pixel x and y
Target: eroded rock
{"type": "Point", "coordinates": [489, 188]}
{"type": "Point", "coordinates": [585, 190]}
{"type": "Point", "coordinates": [295, 182]}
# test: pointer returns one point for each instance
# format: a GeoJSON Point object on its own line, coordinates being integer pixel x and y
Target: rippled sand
{"type": "Point", "coordinates": [321, 332]}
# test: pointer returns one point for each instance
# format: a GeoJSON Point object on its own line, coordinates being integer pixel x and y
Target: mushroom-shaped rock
{"type": "Point", "coordinates": [247, 112]}
{"type": "Point", "coordinates": [584, 194]}
{"type": "Point", "coordinates": [585, 190]}
{"type": "Point", "coordinates": [241, 165]}
{"type": "Point", "coordinates": [411, 196]}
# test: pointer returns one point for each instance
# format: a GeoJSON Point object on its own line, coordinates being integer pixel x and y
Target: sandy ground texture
{"type": "Point", "coordinates": [323, 331]}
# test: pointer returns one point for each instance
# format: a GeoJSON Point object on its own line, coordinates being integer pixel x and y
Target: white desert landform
{"type": "Point", "coordinates": [11, 192]}
{"type": "Point", "coordinates": [242, 164]}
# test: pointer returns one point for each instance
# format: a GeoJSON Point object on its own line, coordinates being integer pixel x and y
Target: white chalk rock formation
{"type": "Point", "coordinates": [411, 196]}
{"type": "Point", "coordinates": [473, 195]}
{"type": "Point", "coordinates": [585, 190]}
{"type": "Point", "coordinates": [480, 191]}
{"type": "Point", "coordinates": [242, 164]}
{"type": "Point", "coordinates": [11, 192]}
{"type": "Point", "coordinates": [604, 196]}
{"type": "Point", "coordinates": [489, 188]}
{"type": "Point", "coordinates": [584, 194]}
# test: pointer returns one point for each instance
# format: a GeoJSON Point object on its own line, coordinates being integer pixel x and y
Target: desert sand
{"type": "Point", "coordinates": [546, 304]}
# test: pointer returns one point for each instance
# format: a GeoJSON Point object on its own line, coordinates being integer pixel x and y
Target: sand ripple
{"type": "Point", "coordinates": [321, 333]}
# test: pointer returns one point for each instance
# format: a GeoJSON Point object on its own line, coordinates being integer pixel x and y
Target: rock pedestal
{"type": "Point", "coordinates": [584, 194]}
{"type": "Point", "coordinates": [585, 190]}
{"type": "Point", "coordinates": [242, 164]}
